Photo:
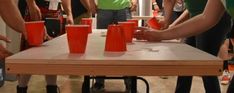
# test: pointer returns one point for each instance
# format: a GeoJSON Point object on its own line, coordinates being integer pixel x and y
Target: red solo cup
{"type": "Point", "coordinates": [77, 38]}
{"type": "Point", "coordinates": [133, 20]}
{"type": "Point", "coordinates": [115, 39]}
{"type": "Point", "coordinates": [153, 23]}
{"type": "Point", "coordinates": [128, 29]}
{"type": "Point", "coordinates": [87, 21]}
{"type": "Point", "coordinates": [35, 32]}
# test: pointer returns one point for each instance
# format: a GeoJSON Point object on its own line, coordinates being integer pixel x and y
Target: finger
{"type": "Point", "coordinates": [70, 22]}
{"type": "Point", "coordinates": [25, 35]}
{"type": "Point", "coordinates": [3, 50]}
{"type": "Point", "coordinates": [4, 39]}
{"type": "Point", "coordinates": [139, 35]}
{"type": "Point", "coordinates": [39, 15]}
{"type": "Point", "coordinates": [4, 55]}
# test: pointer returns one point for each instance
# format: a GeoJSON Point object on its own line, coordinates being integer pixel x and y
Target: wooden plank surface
{"type": "Point", "coordinates": [141, 58]}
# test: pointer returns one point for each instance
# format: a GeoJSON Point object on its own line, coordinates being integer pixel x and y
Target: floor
{"type": "Point", "coordinates": [73, 85]}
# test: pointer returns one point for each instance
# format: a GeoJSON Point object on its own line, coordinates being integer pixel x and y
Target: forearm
{"type": "Point", "coordinates": [198, 24]}
{"type": "Point", "coordinates": [67, 7]}
{"type": "Point", "coordinates": [168, 8]}
{"type": "Point", "coordinates": [31, 3]}
{"type": "Point", "coordinates": [12, 17]}
{"type": "Point", "coordinates": [183, 17]}
{"type": "Point", "coordinates": [223, 52]}
{"type": "Point", "coordinates": [92, 3]}
{"type": "Point", "coordinates": [134, 2]}
{"type": "Point", "coordinates": [86, 4]}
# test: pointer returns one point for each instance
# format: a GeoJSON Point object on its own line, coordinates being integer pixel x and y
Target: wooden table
{"type": "Point", "coordinates": [141, 59]}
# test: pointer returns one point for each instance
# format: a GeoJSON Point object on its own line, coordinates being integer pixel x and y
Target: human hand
{"type": "Point", "coordinates": [93, 7]}
{"type": "Point", "coordinates": [3, 52]}
{"type": "Point", "coordinates": [35, 12]}
{"type": "Point", "coordinates": [147, 34]}
{"type": "Point", "coordinates": [47, 36]}
{"type": "Point", "coordinates": [133, 7]}
{"type": "Point", "coordinates": [163, 23]}
{"type": "Point", "coordinates": [69, 20]}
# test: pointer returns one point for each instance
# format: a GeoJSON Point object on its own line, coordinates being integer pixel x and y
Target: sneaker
{"type": "Point", "coordinates": [97, 87]}
{"type": "Point", "coordinates": [225, 79]}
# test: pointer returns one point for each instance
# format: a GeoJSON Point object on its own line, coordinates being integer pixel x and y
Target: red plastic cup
{"type": "Point", "coordinates": [77, 36]}
{"type": "Point", "coordinates": [87, 21]}
{"type": "Point", "coordinates": [128, 29]}
{"type": "Point", "coordinates": [115, 39]}
{"type": "Point", "coordinates": [133, 20]}
{"type": "Point", "coordinates": [153, 23]}
{"type": "Point", "coordinates": [35, 32]}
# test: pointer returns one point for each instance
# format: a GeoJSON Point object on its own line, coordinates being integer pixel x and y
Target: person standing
{"type": "Point", "coordinates": [39, 10]}
{"type": "Point", "coordinates": [209, 41]}
{"type": "Point", "coordinates": [80, 9]}
{"type": "Point", "coordinates": [109, 12]}
{"type": "Point", "coordinates": [16, 22]}
{"type": "Point", "coordinates": [226, 53]}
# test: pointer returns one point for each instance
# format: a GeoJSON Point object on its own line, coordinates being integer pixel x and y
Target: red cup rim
{"type": "Point", "coordinates": [35, 22]}
{"type": "Point", "coordinates": [77, 25]}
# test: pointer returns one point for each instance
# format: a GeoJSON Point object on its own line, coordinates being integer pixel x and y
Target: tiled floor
{"type": "Point", "coordinates": [67, 85]}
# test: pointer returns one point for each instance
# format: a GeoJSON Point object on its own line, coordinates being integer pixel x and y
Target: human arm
{"type": "Point", "coordinates": [93, 7]}
{"type": "Point", "coordinates": [12, 16]}
{"type": "Point", "coordinates": [183, 17]}
{"type": "Point", "coordinates": [34, 10]}
{"type": "Point", "coordinates": [86, 4]}
{"type": "Point", "coordinates": [198, 24]}
{"type": "Point", "coordinates": [67, 8]}
{"type": "Point", "coordinates": [168, 8]}
{"type": "Point", "coordinates": [133, 6]}
{"type": "Point", "coordinates": [223, 51]}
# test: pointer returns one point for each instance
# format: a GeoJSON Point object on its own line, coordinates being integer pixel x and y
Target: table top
{"type": "Point", "coordinates": [139, 53]}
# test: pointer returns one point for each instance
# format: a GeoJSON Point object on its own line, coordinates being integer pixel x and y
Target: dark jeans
{"type": "Point", "coordinates": [210, 42]}
{"type": "Point", "coordinates": [107, 17]}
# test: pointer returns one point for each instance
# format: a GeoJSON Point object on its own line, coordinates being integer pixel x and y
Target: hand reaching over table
{"type": "Point", "coordinates": [148, 34]}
